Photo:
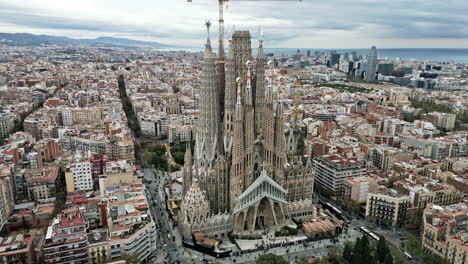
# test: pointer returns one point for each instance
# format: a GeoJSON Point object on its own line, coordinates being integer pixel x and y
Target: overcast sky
{"type": "Point", "coordinates": [306, 24]}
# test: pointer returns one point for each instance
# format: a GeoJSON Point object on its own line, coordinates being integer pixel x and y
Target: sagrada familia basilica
{"type": "Point", "coordinates": [248, 171]}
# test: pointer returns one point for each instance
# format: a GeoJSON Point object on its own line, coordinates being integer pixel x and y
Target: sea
{"type": "Point", "coordinates": [413, 54]}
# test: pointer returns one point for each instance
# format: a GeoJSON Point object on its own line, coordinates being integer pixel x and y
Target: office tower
{"type": "Point", "coordinates": [386, 68]}
{"type": "Point", "coordinates": [371, 64]}
{"type": "Point", "coordinates": [334, 59]}
{"type": "Point", "coordinates": [308, 53]}
{"type": "Point", "coordinates": [346, 56]}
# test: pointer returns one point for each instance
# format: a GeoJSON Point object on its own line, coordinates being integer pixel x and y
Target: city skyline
{"type": "Point", "coordinates": [335, 24]}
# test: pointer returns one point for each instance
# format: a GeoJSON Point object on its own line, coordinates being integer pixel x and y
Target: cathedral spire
{"type": "Point", "coordinates": [280, 140]}
{"type": "Point", "coordinates": [248, 86]}
{"type": "Point", "coordinates": [208, 25]}
{"type": "Point", "coordinates": [229, 99]}
{"type": "Point", "coordinates": [230, 92]}
{"type": "Point", "coordinates": [259, 87]}
{"type": "Point", "coordinates": [207, 145]}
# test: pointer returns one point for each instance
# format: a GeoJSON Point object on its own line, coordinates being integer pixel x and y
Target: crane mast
{"type": "Point", "coordinates": [221, 30]}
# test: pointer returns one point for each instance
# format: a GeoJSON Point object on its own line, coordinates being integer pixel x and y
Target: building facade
{"type": "Point", "coordinates": [243, 162]}
{"type": "Point", "coordinates": [445, 233]}
{"type": "Point", "coordinates": [6, 124]}
{"type": "Point", "coordinates": [78, 175]}
{"type": "Point", "coordinates": [371, 64]}
{"type": "Point", "coordinates": [66, 240]}
{"type": "Point", "coordinates": [331, 169]}
{"type": "Point", "coordinates": [389, 208]}
{"type": "Point", "coordinates": [357, 188]}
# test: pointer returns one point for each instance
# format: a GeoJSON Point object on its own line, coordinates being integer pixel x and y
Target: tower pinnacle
{"type": "Point", "coordinates": [208, 25]}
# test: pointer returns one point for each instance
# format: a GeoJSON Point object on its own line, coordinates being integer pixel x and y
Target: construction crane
{"type": "Point", "coordinates": [170, 163]}
{"type": "Point", "coordinates": [221, 21]}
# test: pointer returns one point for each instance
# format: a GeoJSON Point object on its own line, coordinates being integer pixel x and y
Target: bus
{"type": "Point", "coordinates": [408, 256]}
{"type": "Point", "coordinates": [369, 233]}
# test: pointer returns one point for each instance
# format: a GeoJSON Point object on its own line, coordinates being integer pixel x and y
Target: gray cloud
{"type": "Point", "coordinates": [281, 21]}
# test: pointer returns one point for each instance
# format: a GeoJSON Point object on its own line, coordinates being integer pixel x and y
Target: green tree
{"type": "Point", "coordinates": [365, 250]}
{"type": "Point", "coordinates": [131, 259]}
{"type": "Point", "coordinates": [414, 220]}
{"type": "Point", "coordinates": [388, 259]}
{"type": "Point", "coordinates": [271, 259]}
{"type": "Point", "coordinates": [348, 253]}
{"type": "Point", "coordinates": [178, 157]}
{"type": "Point", "coordinates": [382, 249]}
{"type": "Point", "coordinates": [357, 257]}
{"type": "Point", "coordinates": [412, 245]}
{"type": "Point", "coordinates": [322, 261]}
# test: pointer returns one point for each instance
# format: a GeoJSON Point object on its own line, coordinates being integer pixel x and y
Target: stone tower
{"type": "Point", "coordinates": [240, 157]}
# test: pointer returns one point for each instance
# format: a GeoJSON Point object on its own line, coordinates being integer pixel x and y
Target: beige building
{"type": "Point", "coordinates": [98, 246]}
{"type": "Point", "coordinates": [423, 191]}
{"type": "Point", "coordinates": [387, 208]}
{"type": "Point", "coordinates": [86, 115]}
{"type": "Point", "coordinates": [42, 183]}
{"type": "Point", "coordinates": [445, 231]}
{"type": "Point", "coordinates": [384, 157]}
{"type": "Point", "coordinates": [357, 188]}
{"type": "Point", "coordinates": [443, 121]}
{"type": "Point", "coordinates": [6, 198]}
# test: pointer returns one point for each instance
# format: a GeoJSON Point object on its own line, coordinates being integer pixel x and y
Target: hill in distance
{"type": "Point", "coordinates": [26, 39]}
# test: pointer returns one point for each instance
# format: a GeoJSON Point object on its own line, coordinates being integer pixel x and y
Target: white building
{"type": "Point", "coordinates": [132, 230]}
{"type": "Point", "coordinates": [6, 125]}
{"type": "Point", "coordinates": [180, 133]}
{"type": "Point", "coordinates": [78, 176]}
{"type": "Point", "coordinates": [67, 117]}
{"type": "Point", "coordinates": [331, 170]}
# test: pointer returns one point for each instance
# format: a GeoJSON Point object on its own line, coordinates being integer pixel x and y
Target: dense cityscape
{"type": "Point", "coordinates": [123, 152]}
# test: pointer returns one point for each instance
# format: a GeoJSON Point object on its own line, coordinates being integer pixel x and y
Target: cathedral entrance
{"type": "Point", "coordinates": [259, 222]}
{"type": "Point", "coordinates": [260, 206]}
{"type": "Point", "coordinates": [265, 215]}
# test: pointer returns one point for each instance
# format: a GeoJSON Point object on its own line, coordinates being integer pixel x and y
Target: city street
{"type": "Point", "coordinates": [169, 241]}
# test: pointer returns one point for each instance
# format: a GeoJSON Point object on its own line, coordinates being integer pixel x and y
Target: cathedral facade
{"type": "Point", "coordinates": [247, 171]}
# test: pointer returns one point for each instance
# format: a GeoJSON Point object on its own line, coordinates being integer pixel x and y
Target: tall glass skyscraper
{"type": "Point", "coordinates": [371, 64]}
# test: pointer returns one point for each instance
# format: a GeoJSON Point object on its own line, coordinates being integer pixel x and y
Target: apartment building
{"type": "Point", "coordinates": [17, 249]}
{"type": "Point", "coordinates": [357, 188]}
{"type": "Point", "coordinates": [66, 240]}
{"type": "Point", "coordinates": [445, 121]}
{"type": "Point", "coordinates": [445, 231]}
{"type": "Point", "coordinates": [450, 146]}
{"type": "Point", "coordinates": [6, 198]}
{"type": "Point", "coordinates": [6, 124]}
{"type": "Point", "coordinates": [331, 169]}
{"type": "Point", "coordinates": [132, 230]}
{"type": "Point", "coordinates": [78, 175]}
{"type": "Point", "coordinates": [384, 157]}
{"type": "Point", "coordinates": [423, 191]}
{"type": "Point", "coordinates": [42, 183]}
{"type": "Point", "coordinates": [387, 208]}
